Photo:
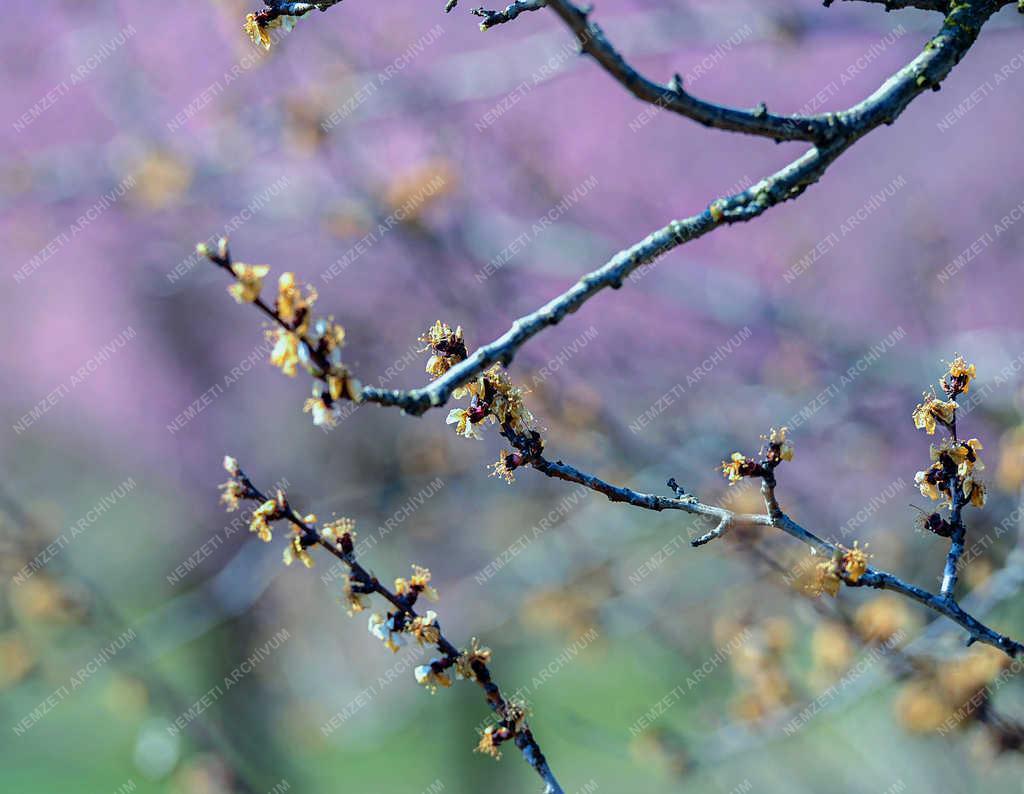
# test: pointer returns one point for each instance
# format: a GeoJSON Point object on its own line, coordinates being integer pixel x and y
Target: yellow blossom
{"type": "Point", "coordinates": [249, 281]}
{"type": "Point", "coordinates": [505, 466]}
{"type": "Point", "coordinates": [419, 582]}
{"type": "Point", "coordinates": [341, 384]}
{"type": "Point", "coordinates": [506, 399]}
{"type": "Point", "coordinates": [734, 467]}
{"type": "Point", "coordinates": [295, 551]}
{"type": "Point", "coordinates": [233, 494]}
{"type": "Point", "coordinates": [323, 414]}
{"type": "Point", "coordinates": [855, 562]}
{"type": "Point", "coordinates": [261, 518]}
{"type": "Point", "coordinates": [333, 335]}
{"type": "Point", "coordinates": [447, 348]}
{"type": "Point", "coordinates": [489, 743]}
{"type": "Point", "coordinates": [338, 530]}
{"type": "Point", "coordinates": [290, 301]}
{"type": "Point", "coordinates": [285, 353]}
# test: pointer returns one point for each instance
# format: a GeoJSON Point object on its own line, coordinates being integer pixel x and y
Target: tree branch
{"type": "Point", "coordinates": [513, 10]}
{"type": "Point", "coordinates": [927, 71]}
{"type": "Point", "coordinates": [894, 5]}
{"type": "Point", "coordinates": [727, 519]}
{"type": "Point", "coordinates": [673, 96]}
{"type": "Point", "coordinates": [471, 664]}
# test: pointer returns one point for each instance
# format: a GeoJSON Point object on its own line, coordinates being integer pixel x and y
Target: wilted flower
{"type": "Point", "coordinates": [932, 482]}
{"type": "Point", "coordinates": [974, 492]}
{"type": "Point", "coordinates": [933, 411]}
{"type": "Point", "coordinates": [963, 453]}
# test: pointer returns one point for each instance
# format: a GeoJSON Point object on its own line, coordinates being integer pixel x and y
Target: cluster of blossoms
{"type": "Point", "coordinates": [299, 338]}
{"type": "Point", "coordinates": [777, 448]}
{"type": "Point", "coordinates": [950, 479]}
{"type": "Point", "coordinates": [845, 564]}
{"type": "Point", "coordinates": [492, 397]}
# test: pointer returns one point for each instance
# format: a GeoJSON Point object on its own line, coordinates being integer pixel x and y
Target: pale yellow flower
{"type": "Point", "coordinates": [249, 283]}
{"type": "Point", "coordinates": [290, 300]}
{"type": "Point", "coordinates": [285, 354]}
{"type": "Point", "coordinates": [322, 413]}
{"type": "Point", "coordinates": [295, 551]}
